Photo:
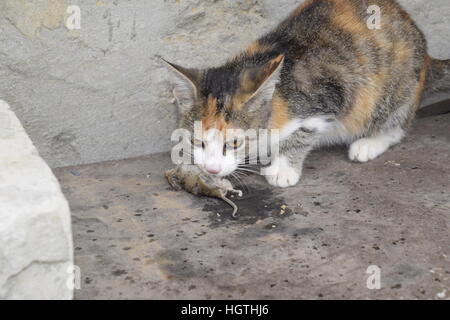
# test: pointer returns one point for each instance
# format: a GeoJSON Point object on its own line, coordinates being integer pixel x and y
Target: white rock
{"type": "Point", "coordinates": [35, 231]}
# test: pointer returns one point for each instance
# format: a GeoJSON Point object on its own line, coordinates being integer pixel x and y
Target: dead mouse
{"type": "Point", "coordinates": [195, 181]}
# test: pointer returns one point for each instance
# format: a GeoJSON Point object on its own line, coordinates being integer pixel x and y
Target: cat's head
{"type": "Point", "coordinates": [226, 101]}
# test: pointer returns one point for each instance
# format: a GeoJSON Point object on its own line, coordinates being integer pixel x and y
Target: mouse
{"type": "Point", "coordinates": [192, 179]}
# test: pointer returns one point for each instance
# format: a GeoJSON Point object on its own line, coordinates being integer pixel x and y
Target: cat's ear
{"type": "Point", "coordinates": [185, 84]}
{"type": "Point", "coordinates": [260, 82]}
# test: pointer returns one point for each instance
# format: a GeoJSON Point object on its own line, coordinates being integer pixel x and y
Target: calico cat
{"type": "Point", "coordinates": [322, 77]}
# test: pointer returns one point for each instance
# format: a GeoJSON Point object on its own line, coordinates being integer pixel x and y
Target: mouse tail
{"type": "Point", "coordinates": [233, 205]}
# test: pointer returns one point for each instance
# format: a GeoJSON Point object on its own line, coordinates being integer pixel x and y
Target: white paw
{"type": "Point", "coordinates": [367, 149]}
{"type": "Point", "coordinates": [281, 174]}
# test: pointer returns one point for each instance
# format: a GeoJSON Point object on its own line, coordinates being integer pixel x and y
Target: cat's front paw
{"type": "Point", "coordinates": [367, 149]}
{"type": "Point", "coordinates": [281, 174]}
{"type": "Point", "coordinates": [284, 178]}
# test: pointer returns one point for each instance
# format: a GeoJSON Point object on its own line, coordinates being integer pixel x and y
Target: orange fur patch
{"type": "Point", "coordinates": [422, 81]}
{"type": "Point", "coordinates": [212, 120]}
{"type": "Point", "coordinates": [273, 64]}
{"type": "Point", "coordinates": [257, 47]}
{"type": "Point", "coordinates": [402, 51]}
{"type": "Point", "coordinates": [345, 18]}
{"type": "Point", "coordinates": [280, 112]}
{"type": "Point", "coordinates": [365, 102]}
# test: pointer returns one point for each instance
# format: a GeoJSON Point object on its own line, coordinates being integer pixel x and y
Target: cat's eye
{"type": "Point", "coordinates": [234, 144]}
{"type": "Point", "coordinates": [198, 143]}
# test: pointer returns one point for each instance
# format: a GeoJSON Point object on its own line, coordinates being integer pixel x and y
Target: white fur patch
{"type": "Point", "coordinates": [290, 128]}
{"type": "Point", "coordinates": [314, 124]}
{"type": "Point", "coordinates": [211, 158]}
{"type": "Point", "coordinates": [281, 173]}
{"type": "Point", "coordinates": [337, 133]}
{"type": "Point", "coordinates": [366, 149]}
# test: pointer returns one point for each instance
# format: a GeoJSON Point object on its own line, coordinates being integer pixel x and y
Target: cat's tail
{"type": "Point", "coordinates": [438, 78]}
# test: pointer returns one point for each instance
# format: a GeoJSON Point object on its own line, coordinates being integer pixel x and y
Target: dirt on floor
{"type": "Point", "coordinates": [136, 238]}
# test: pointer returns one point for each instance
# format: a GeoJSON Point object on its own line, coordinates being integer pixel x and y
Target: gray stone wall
{"type": "Point", "coordinates": [99, 93]}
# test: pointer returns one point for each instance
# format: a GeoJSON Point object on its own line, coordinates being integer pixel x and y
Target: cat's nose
{"type": "Point", "coordinates": [212, 169]}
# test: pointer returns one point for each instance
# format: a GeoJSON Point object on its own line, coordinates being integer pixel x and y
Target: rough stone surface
{"type": "Point", "coordinates": [35, 225]}
{"type": "Point", "coordinates": [137, 238]}
{"type": "Point", "coordinates": [99, 93]}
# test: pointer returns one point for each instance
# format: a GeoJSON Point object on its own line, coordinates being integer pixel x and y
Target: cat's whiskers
{"type": "Point", "coordinates": [248, 170]}
{"type": "Point", "coordinates": [239, 180]}
{"type": "Point", "coordinates": [247, 166]}
{"type": "Point", "coordinates": [250, 161]}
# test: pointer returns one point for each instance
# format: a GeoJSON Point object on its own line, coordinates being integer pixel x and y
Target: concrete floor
{"type": "Point", "coordinates": [136, 238]}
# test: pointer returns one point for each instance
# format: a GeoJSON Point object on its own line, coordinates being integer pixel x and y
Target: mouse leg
{"type": "Point", "coordinates": [238, 192]}
{"type": "Point", "coordinates": [226, 185]}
